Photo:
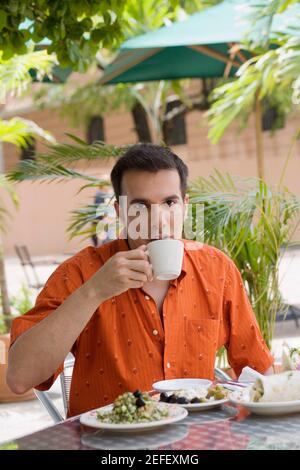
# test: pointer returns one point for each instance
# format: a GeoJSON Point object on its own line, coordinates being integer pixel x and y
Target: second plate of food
{"type": "Point", "coordinates": [196, 399]}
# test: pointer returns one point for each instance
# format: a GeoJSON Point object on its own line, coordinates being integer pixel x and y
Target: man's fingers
{"type": "Point", "coordinates": [135, 284]}
{"type": "Point", "coordinates": [137, 253]}
{"type": "Point", "coordinates": [137, 260]}
{"type": "Point", "coordinates": [141, 265]}
{"type": "Point", "coordinates": [137, 276]}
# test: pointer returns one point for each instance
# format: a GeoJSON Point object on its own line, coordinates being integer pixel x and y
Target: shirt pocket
{"type": "Point", "coordinates": [201, 347]}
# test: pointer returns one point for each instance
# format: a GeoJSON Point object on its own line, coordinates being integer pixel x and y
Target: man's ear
{"type": "Point", "coordinates": [185, 209]}
{"type": "Point", "coordinates": [117, 208]}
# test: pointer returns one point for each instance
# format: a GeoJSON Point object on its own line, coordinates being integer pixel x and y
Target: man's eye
{"type": "Point", "coordinates": [139, 206]}
{"type": "Point", "coordinates": [170, 202]}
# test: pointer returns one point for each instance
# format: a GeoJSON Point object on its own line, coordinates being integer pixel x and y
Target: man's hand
{"type": "Point", "coordinates": [125, 270]}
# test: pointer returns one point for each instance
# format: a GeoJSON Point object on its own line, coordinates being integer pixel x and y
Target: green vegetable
{"type": "Point", "coordinates": [125, 410]}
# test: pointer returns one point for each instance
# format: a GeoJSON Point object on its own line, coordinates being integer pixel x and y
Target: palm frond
{"type": "Point", "coordinates": [91, 219]}
{"type": "Point", "coordinates": [19, 131]}
{"type": "Point", "coordinates": [54, 165]}
{"type": "Point", "coordinates": [66, 154]}
{"type": "Point", "coordinates": [261, 16]}
{"type": "Point", "coordinates": [45, 171]}
{"type": "Point", "coordinates": [273, 74]}
{"type": "Point", "coordinates": [251, 222]}
{"type": "Point", "coordinates": [261, 74]}
{"type": "Point", "coordinates": [232, 100]}
{"type": "Point", "coordinates": [100, 184]}
{"type": "Point", "coordinates": [15, 72]}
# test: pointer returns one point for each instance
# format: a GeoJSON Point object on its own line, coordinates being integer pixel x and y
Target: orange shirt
{"type": "Point", "coordinates": [126, 345]}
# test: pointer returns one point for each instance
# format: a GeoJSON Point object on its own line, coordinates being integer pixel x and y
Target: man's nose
{"type": "Point", "coordinates": [159, 214]}
{"type": "Point", "coordinates": [160, 219]}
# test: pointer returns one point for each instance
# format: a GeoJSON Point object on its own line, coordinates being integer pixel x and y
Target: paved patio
{"type": "Point", "coordinates": [18, 419]}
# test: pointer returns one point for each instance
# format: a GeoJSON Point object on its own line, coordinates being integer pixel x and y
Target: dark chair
{"type": "Point", "coordinates": [65, 382]}
{"type": "Point", "coordinates": [29, 266]}
{"type": "Point", "coordinates": [289, 312]}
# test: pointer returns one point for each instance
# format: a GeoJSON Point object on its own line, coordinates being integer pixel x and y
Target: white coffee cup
{"type": "Point", "coordinates": [166, 258]}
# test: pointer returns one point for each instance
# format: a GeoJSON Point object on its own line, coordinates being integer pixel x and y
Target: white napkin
{"type": "Point", "coordinates": [249, 375]}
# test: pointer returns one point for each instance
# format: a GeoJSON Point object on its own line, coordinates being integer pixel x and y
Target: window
{"type": "Point", "coordinates": [141, 123]}
{"type": "Point", "coordinates": [95, 130]}
{"type": "Point", "coordinates": [174, 130]}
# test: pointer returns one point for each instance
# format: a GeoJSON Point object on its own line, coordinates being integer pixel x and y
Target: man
{"type": "Point", "coordinates": [125, 329]}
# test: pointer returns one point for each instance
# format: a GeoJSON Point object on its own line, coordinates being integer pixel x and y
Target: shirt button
{"type": "Point", "coordinates": [155, 332]}
{"type": "Point", "coordinates": [168, 365]}
{"type": "Point", "coordinates": [147, 297]}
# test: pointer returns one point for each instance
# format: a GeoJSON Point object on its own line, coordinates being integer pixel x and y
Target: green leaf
{"type": "Point", "coordinates": [15, 71]}
{"type": "Point", "coordinates": [3, 19]}
{"type": "Point", "coordinates": [19, 131]}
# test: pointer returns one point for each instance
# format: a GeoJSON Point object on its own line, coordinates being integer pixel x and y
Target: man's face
{"type": "Point", "coordinates": [154, 207]}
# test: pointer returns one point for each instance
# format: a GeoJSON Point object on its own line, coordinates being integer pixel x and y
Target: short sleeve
{"type": "Point", "coordinates": [65, 280]}
{"type": "Point", "coordinates": [246, 346]}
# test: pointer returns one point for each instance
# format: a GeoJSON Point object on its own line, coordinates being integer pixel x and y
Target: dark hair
{"type": "Point", "coordinates": [148, 157]}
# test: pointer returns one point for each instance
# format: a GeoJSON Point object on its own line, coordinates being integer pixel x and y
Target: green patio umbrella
{"type": "Point", "coordinates": [196, 47]}
{"type": "Point", "coordinates": [205, 45]}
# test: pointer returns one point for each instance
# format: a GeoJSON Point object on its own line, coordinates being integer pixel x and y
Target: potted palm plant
{"type": "Point", "coordinates": [252, 223]}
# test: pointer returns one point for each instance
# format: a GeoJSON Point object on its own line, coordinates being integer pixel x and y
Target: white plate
{"type": "Point", "coordinates": [180, 384]}
{"type": "Point", "coordinates": [149, 440]}
{"type": "Point", "coordinates": [176, 413]}
{"type": "Point", "coordinates": [204, 406]}
{"type": "Point", "coordinates": [268, 409]}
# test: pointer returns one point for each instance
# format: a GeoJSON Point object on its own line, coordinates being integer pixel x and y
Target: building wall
{"type": "Point", "coordinates": [44, 213]}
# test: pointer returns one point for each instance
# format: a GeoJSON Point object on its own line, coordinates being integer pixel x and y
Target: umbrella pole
{"type": "Point", "coordinates": [259, 137]}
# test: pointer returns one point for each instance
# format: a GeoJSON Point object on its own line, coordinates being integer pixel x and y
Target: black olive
{"type": "Point", "coordinates": [182, 401]}
{"type": "Point", "coordinates": [140, 402]}
{"type": "Point", "coordinates": [195, 400]}
{"type": "Point", "coordinates": [137, 394]}
{"type": "Point", "coordinates": [163, 397]}
{"type": "Point", "coordinates": [172, 399]}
